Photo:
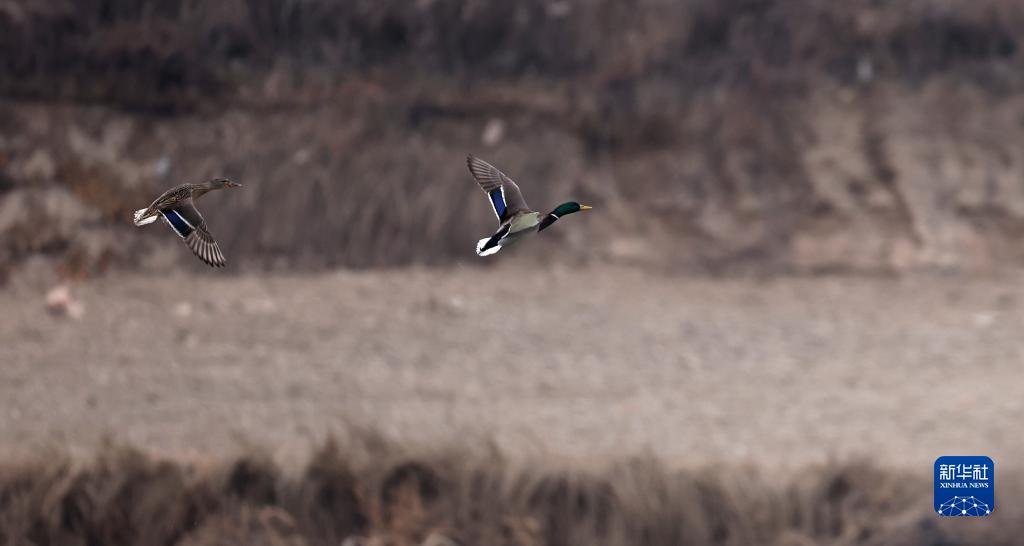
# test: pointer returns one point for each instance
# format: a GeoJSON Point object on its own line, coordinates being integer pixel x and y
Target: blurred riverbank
{"type": "Point", "coordinates": [575, 363]}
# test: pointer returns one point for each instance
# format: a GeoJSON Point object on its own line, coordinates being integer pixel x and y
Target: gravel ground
{"type": "Point", "coordinates": [582, 365]}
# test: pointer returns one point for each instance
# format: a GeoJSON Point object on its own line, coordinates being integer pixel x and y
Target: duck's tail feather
{"type": "Point", "coordinates": [483, 250]}
{"type": "Point", "coordinates": [145, 216]}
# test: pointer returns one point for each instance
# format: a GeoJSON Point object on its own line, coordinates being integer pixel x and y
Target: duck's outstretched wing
{"type": "Point", "coordinates": [186, 221]}
{"type": "Point", "coordinates": [205, 247]}
{"type": "Point", "coordinates": [506, 199]}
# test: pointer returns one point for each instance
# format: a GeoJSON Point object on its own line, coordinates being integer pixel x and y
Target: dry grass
{"type": "Point", "coordinates": [376, 494]}
{"type": "Point", "coordinates": [696, 127]}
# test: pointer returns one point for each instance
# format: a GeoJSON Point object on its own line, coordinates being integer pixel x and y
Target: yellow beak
{"type": "Point", "coordinates": [585, 207]}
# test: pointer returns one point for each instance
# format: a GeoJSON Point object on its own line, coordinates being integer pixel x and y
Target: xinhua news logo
{"type": "Point", "coordinates": [964, 486]}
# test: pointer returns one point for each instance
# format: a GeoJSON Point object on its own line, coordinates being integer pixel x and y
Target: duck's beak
{"type": "Point", "coordinates": [234, 185]}
{"type": "Point", "coordinates": [585, 207]}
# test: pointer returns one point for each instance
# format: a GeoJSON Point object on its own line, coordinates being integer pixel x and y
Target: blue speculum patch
{"type": "Point", "coordinates": [178, 223]}
{"type": "Point", "coordinates": [499, 202]}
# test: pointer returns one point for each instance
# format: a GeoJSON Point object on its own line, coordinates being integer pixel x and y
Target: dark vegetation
{"type": "Point", "coordinates": [379, 495]}
{"type": "Point", "coordinates": [163, 56]}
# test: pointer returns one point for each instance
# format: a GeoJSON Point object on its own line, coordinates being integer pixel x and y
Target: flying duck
{"type": "Point", "coordinates": [515, 219]}
{"type": "Point", "coordinates": [176, 206]}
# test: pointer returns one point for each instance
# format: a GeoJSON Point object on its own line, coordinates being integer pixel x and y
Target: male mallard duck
{"type": "Point", "coordinates": [176, 207]}
{"type": "Point", "coordinates": [515, 219]}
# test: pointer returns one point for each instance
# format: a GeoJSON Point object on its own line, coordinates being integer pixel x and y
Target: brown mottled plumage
{"type": "Point", "coordinates": [176, 206]}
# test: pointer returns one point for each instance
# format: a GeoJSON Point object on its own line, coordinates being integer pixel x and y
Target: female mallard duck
{"type": "Point", "coordinates": [176, 207]}
{"type": "Point", "coordinates": [515, 219]}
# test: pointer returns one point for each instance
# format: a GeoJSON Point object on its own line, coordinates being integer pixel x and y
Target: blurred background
{"type": "Point", "coordinates": [800, 283]}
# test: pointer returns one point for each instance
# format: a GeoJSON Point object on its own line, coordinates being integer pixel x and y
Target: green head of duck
{"type": "Point", "coordinates": [560, 211]}
{"type": "Point", "coordinates": [569, 208]}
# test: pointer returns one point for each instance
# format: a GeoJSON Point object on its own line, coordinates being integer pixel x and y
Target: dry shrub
{"type": "Point", "coordinates": [691, 123]}
{"type": "Point", "coordinates": [459, 496]}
